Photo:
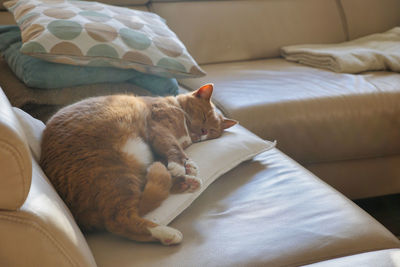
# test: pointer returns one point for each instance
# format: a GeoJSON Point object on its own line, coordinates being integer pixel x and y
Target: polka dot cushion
{"type": "Point", "coordinates": [96, 34]}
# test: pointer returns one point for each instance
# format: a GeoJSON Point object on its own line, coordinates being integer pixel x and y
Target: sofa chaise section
{"type": "Point", "coordinates": [266, 212]}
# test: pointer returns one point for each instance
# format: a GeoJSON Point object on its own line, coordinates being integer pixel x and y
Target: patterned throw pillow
{"type": "Point", "coordinates": [96, 34]}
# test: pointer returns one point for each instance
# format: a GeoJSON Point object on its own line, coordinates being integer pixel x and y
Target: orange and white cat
{"type": "Point", "coordinates": [115, 158]}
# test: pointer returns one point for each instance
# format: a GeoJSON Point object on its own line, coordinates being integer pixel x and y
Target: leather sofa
{"type": "Point", "coordinates": [269, 211]}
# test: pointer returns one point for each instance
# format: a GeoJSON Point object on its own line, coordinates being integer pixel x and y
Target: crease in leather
{"type": "Point", "coordinates": [42, 230]}
{"type": "Point", "coordinates": [343, 17]}
{"type": "Point", "coordinates": [18, 159]}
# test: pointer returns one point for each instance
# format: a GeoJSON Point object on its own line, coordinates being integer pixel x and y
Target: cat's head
{"type": "Point", "coordinates": [203, 121]}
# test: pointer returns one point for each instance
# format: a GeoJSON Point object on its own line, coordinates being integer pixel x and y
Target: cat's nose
{"type": "Point", "coordinates": [204, 131]}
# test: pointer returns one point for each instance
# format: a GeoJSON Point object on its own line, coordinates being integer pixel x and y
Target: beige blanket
{"type": "Point", "coordinates": [380, 51]}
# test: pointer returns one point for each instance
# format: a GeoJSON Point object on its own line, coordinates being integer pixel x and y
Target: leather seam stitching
{"type": "Point", "coordinates": [41, 230]}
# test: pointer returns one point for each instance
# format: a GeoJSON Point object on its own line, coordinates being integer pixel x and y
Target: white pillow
{"type": "Point", "coordinates": [33, 130]}
{"type": "Point", "coordinates": [213, 157]}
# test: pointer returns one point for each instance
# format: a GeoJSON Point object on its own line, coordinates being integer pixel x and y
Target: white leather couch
{"type": "Point", "coordinates": [269, 211]}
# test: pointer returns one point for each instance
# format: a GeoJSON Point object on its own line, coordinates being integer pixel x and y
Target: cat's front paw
{"type": "Point", "coordinates": [191, 168]}
{"type": "Point", "coordinates": [185, 184]}
{"type": "Point", "coordinates": [176, 169]}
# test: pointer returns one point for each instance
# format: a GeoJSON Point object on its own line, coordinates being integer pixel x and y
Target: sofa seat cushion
{"type": "Point", "coordinates": [266, 212]}
{"type": "Point", "coordinates": [315, 115]}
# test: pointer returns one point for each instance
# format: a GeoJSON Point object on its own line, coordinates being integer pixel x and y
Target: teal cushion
{"type": "Point", "coordinates": [37, 73]}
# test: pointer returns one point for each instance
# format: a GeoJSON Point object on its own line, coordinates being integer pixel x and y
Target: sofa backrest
{"type": "Point", "coordinates": [220, 31]}
{"type": "Point", "coordinates": [365, 17]}
{"type": "Point", "coordinates": [232, 30]}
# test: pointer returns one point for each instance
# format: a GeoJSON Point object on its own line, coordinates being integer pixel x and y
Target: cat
{"type": "Point", "coordinates": [114, 158]}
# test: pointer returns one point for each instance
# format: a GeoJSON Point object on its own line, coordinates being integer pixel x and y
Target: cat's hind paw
{"type": "Point", "coordinates": [191, 168]}
{"type": "Point", "coordinates": [185, 184]}
{"type": "Point", "coordinates": [194, 182]}
{"type": "Point", "coordinates": [167, 235]}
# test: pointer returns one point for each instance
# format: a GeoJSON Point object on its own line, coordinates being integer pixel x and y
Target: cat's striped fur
{"type": "Point", "coordinates": [115, 158]}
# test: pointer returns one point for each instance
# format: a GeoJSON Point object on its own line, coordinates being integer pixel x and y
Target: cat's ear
{"type": "Point", "coordinates": [227, 123]}
{"type": "Point", "coordinates": [204, 92]}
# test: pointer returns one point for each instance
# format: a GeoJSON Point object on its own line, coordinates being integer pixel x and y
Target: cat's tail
{"type": "Point", "coordinates": [156, 189]}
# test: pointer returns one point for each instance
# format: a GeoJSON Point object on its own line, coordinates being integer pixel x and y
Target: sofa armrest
{"type": "Point", "coordinates": [42, 232]}
{"type": "Point", "coordinates": [36, 227]}
{"type": "Point", "coordinates": [15, 162]}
